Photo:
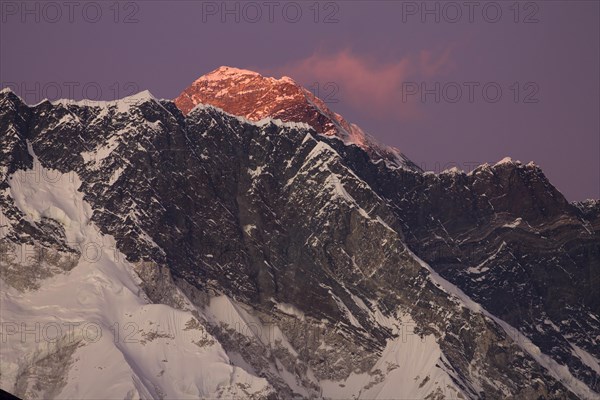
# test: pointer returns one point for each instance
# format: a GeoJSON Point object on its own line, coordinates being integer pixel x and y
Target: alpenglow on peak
{"type": "Point", "coordinates": [255, 97]}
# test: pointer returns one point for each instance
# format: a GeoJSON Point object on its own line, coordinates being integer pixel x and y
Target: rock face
{"type": "Point", "coordinates": [304, 265]}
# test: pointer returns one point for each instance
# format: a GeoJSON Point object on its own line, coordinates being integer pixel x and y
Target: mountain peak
{"type": "Point", "coordinates": [255, 97]}
{"type": "Point", "coordinates": [245, 93]}
{"type": "Point", "coordinates": [225, 72]}
{"type": "Point", "coordinates": [232, 73]}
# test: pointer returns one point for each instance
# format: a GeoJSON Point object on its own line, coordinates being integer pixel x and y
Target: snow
{"type": "Point", "coordinates": [100, 153]}
{"type": "Point", "coordinates": [241, 76]}
{"type": "Point", "coordinates": [126, 347]}
{"type": "Point", "coordinates": [290, 309]}
{"type": "Point", "coordinates": [277, 122]}
{"type": "Point", "coordinates": [338, 191]}
{"type": "Point", "coordinates": [558, 371]}
{"type": "Point", "coordinates": [410, 365]}
{"type": "Point", "coordinates": [452, 171]}
{"type": "Point", "coordinates": [513, 224]}
{"type": "Point", "coordinates": [55, 198]}
{"type": "Point", "coordinates": [319, 148]}
{"type": "Point", "coordinates": [586, 358]}
{"type": "Point", "coordinates": [360, 303]}
{"type": "Point", "coordinates": [248, 229]}
{"type": "Point", "coordinates": [225, 72]}
{"type": "Point", "coordinates": [345, 310]}
{"type": "Point", "coordinates": [480, 268]}
{"type": "Point", "coordinates": [287, 79]}
{"type": "Point", "coordinates": [68, 118]}
{"type": "Point", "coordinates": [386, 226]}
{"type": "Point", "coordinates": [260, 123]}
{"type": "Point", "coordinates": [255, 173]}
{"type": "Point", "coordinates": [324, 154]}
{"type": "Point", "coordinates": [115, 176]}
{"type": "Point", "coordinates": [507, 160]}
{"type": "Point", "coordinates": [123, 105]}
{"type": "Point", "coordinates": [223, 311]}
{"type": "Point", "coordinates": [204, 106]}
{"type": "Point", "coordinates": [308, 137]}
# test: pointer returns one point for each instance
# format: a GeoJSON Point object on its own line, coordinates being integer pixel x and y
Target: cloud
{"type": "Point", "coordinates": [433, 64]}
{"type": "Point", "coordinates": [369, 86]}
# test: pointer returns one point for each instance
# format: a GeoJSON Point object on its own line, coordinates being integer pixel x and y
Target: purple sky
{"type": "Point", "coordinates": [367, 63]}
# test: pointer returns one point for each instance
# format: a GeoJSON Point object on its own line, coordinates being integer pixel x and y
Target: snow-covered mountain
{"type": "Point", "coordinates": [255, 97]}
{"type": "Point", "coordinates": [230, 252]}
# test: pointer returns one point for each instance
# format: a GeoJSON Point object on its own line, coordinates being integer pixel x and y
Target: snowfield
{"type": "Point", "coordinates": [92, 332]}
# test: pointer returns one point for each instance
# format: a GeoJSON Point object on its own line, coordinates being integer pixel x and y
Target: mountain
{"type": "Point", "coordinates": [199, 253]}
{"type": "Point", "coordinates": [250, 95]}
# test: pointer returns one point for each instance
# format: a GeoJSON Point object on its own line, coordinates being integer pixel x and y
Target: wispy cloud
{"type": "Point", "coordinates": [366, 84]}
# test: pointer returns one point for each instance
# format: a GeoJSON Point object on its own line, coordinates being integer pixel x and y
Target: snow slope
{"type": "Point", "coordinates": [411, 367]}
{"type": "Point", "coordinates": [93, 330]}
